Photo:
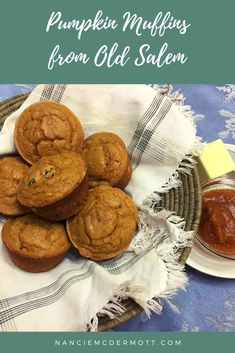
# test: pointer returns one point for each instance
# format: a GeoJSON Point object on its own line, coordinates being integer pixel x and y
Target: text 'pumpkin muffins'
{"type": "Point", "coordinates": [104, 227]}
{"type": "Point", "coordinates": [107, 159]}
{"type": "Point", "coordinates": [34, 244]}
{"type": "Point", "coordinates": [12, 170]}
{"type": "Point", "coordinates": [56, 186]}
{"type": "Point", "coordinates": [46, 128]}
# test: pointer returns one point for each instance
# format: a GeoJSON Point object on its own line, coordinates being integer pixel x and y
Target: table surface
{"type": "Point", "coordinates": [208, 304]}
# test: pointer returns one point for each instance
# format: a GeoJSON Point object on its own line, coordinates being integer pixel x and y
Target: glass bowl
{"type": "Point", "coordinates": [225, 182]}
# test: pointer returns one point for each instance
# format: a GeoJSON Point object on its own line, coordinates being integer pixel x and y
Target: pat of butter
{"type": "Point", "coordinates": [214, 161]}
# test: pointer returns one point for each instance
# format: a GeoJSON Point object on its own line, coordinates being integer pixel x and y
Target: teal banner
{"type": "Point", "coordinates": [109, 41]}
{"type": "Point", "coordinates": [60, 342]}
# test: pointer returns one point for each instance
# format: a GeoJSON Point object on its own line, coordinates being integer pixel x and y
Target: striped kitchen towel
{"type": "Point", "coordinates": [71, 296]}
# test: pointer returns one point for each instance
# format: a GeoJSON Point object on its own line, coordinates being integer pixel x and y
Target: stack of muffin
{"type": "Point", "coordinates": [64, 191]}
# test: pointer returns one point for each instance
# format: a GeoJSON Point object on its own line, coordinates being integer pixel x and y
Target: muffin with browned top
{"type": "Point", "coordinates": [104, 227]}
{"type": "Point", "coordinates": [107, 159]}
{"type": "Point", "coordinates": [34, 244]}
{"type": "Point", "coordinates": [46, 128]}
{"type": "Point", "coordinates": [12, 170]}
{"type": "Point", "coordinates": [56, 186]}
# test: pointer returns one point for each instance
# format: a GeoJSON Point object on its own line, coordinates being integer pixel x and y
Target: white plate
{"type": "Point", "coordinates": [207, 262]}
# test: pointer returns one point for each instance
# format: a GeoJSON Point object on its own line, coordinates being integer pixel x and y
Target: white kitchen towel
{"type": "Point", "coordinates": [70, 297]}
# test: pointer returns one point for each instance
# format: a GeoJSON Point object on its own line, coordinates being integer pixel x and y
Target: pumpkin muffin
{"type": "Point", "coordinates": [104, 227]}
{"type": "Point", "coordinates": [56, 186]}
{"type": "Point", "coordinates": [12, 170]}
{"type": "Point", "coordinates": [34, 244]}
{"type": "Point", "coordinates": [107, 159]}
{"type": "Point", "coordinates": [46, 128]}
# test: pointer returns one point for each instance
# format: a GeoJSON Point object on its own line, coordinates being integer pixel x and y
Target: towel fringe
{"type": "Point", "coordinates": [185, 167]}
{"type": "Point", "coordinates": [154, 233]}
{"type": "Point", "coordinates": [179, 99]}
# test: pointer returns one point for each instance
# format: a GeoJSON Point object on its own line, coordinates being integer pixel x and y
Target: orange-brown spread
{"type": "Point", "coordinates": [217, 225]}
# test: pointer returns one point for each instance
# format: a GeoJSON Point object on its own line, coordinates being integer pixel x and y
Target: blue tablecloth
{"type": "Point", "coordinates": [209, 302]}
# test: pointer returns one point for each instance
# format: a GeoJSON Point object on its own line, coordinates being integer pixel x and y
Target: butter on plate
{"type": "Point", "coordinates": [214, 161]}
